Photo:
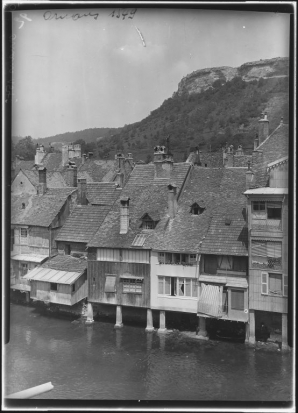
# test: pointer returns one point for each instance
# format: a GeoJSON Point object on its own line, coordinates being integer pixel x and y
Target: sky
{"type": "Point", "coordinates": [98, 70]}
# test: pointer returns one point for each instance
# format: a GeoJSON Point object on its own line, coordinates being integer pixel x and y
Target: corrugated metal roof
{"type": "Point", "coordinates": [30, 257]}
{"type": "Point", "coordinates": [53, 276]}
{"type": "Point", "coordinates": [266, 191]}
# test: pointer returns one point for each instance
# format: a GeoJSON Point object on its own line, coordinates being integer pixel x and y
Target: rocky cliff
{"type": "Point", "coordinates": [201, 80]}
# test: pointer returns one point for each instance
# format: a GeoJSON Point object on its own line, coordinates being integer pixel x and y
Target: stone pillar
{"type": "Point", "coordinates": [284, 331]}
{"type": "Point", "coordinates": [89, 319]}
{"type": "Point", "coordinates": [202, 333]}
{"type": "Point", "coordinates": [246, 332]}
{"type": "Point", "coordinates": [119, 323]}
{"type": "Point", "coordinates": [162, 322]}
{"type": "Point", "coordinates": [149, 320]}
{"type": "Point", "coordinates": [252, 327]}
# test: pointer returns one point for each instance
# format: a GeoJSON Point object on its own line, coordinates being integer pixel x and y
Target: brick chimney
{"type": "Point", "coordinates": [90, 155]}
{"type": "Point", "coordinates": [72, 173]}
{"type": "Point", "coordinates": [124, 215]}
{"type": "Point", "coordinates": [65, 157]}
{"type": "Point", "coordinates": [163, 162]}
{"type": "Point", "coordinates": [263, 128]}
{"type": "Point", "coordinates": [39, 155]}
{"type": "Point", "coordinates": [42, 180]}
{"type": "Point", "coordinates": [84, 158]}
{"type": "Point", "coordinates": [172, 200]}
{"type": "Point", "coordinates": [82, 191]}
{"type": "Point", "coordinates": [250, 177]}
{"type": "Point", "coordinates": [71, 151]}
{"type": "Point", "coordinates": [239, 151]}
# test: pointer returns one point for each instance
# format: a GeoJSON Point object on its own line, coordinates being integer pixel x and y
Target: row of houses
{"type": "Point", "coordinates": [164, 237]}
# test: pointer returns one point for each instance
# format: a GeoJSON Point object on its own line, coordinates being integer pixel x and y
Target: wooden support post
{"type": "Point", "coordinates": [27, 297]}
{"type": "Point", "coordinates": [119, 323]}
{"type": "Point", "coordinates": [162, 322]}
{"type": "Point", "coordinates": [284, 331]}
{"type": "Point", "coordinates": [89, 319]}
{"type": "Point", "coordinates": [149, 327]}
{"type": "Point", "coordinates": [252, 327]}
{"type": "Point", "coordinates": [202, 333]}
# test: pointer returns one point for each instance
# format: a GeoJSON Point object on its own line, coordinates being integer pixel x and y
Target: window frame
{"type": "Point", "coordinates": [24, 265]}
{"type": "Point", "coordinates": [270, 261]}
{"type": "Point", "coordinates": [184, 258]}
{"type": "Point", "coordinates": [51, 287]}
{"type": "Point", "coordinates": [237, 290]}
{"type": "Point", "coordinates": [132, 282]}
{"type": "Point", "coordinates": [265, 280]}
{"type": "Point", "coordinates": [263, 217]}
{"type": "Point", "coordinates": [175, 283]}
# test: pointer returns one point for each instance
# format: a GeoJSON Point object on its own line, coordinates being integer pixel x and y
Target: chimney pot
{"type": "Point", "coordinates": [124, 215]}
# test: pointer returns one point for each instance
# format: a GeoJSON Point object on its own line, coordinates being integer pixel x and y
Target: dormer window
{"type": "Point", "coordinates": [149, 221]}
{"type": "Point", "coordinates": [196, 209]}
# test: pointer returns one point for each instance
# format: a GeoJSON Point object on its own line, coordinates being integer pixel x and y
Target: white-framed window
{"type": "Point", "coordinates": [177, 286]}
{"type": "Point", "coordinates": [132, 285]}
{"type": "Point", "coordinates": [266, 254]}
{"type": "Point", "coordinates": [24, 236]}
{"type": "Point", "coordinates": [274, 284]}
{"type": "Point", "coordinates": [266, 216]}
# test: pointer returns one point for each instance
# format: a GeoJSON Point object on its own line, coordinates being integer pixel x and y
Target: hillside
{"type": "Point", "coordinates": [211, 107]}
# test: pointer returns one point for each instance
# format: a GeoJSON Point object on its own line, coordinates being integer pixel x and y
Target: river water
{"type": "Point", "coordinates": [100, 363]}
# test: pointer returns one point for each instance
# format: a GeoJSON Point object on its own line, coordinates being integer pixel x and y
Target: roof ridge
{"type": "Point", "coordinates": [279, 126]}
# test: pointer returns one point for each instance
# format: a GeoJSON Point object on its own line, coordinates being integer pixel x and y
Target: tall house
{"type": "Point", "coordinates": [267, 203]}
{"type": "Point", "coordinates": [118, 260]}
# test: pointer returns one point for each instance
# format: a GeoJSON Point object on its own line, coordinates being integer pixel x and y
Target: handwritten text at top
{"type": "Point", "coordinates": [49, 15]}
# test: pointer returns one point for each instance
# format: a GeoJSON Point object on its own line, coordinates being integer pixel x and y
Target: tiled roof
{"type": "Point", "coordinates": [97, 170]}
{"type": "Point", "coordinates": [146, 194]}
{"type": "Point", "coordinates": [221, 191]}
{"type": "Point", "coordinates": [28, 165]}
{"type": "Point", "coordinates": [83, 222]}
{"type": "Point", "coordinates": [66, 263]}
{"type": "Point", "coordinates": [39, 210]}
{"type": "Point", "coordinates": [276, 146]}
{"type": "Point", "coordinates": [102, 193]}
{"type": "Point", "coordinates": [226, 239]}
{"type": "Point", "coordinates": [54, 179]}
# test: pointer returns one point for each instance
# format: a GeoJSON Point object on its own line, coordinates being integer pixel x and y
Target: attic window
{"type": "Point", "coordinates": [23, 205]}
{"type": "Point", "coordinates": [148, 224]}
{"type": "Point", "coordinates": [196, 209]}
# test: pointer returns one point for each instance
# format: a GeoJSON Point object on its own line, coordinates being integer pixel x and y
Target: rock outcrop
{"type": "Point", "coordinates": [201, 80]}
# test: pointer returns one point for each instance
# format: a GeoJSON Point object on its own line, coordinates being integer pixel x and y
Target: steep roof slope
{"type": "Point", "coordinates": [219, 191]}
{"type": "Point", "coordinates": [82, 224]}
{"type": "Point", "coordinates": [102, 193]}
{"type": "Point", "coordinates": [146, 194]}
{"type": "Point", "coordinates": [54, 179]}
{"type": "Point", "coordinates": [39, 210]}
{"type": "Point", "coordinates": [276, 146]}
{"type": "Point", "coordinates": [66, 263]}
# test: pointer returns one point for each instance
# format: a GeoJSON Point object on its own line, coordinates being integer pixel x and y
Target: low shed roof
{"type": "Point", "coordinates": [52, 276]}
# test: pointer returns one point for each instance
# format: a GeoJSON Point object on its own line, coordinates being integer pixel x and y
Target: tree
{"type": "Point", "coordinates": [26, 148]}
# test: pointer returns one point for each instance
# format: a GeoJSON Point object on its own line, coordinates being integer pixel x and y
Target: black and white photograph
{"type": "Point", "coordinates": [148, 206]}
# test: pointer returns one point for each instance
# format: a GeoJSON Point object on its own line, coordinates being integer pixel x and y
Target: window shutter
{"type": "Point", "coordinates": [258, 248]}
{"type": "Point", "coordinates": [285, 285]}
{"type": "Point", "coordinates": [110, 284]}
{"type": "Point", "coordinates": [274, 249]}
{"type": "Point", "coordinates": [264, 280]}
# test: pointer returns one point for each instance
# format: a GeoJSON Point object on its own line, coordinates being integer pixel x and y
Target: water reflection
{"type": "Point", "coordinates": [118, 332]}
{"type": "Point", "coordinates": [28, 337]}
{"type": "Point", "coordinates": [99, 362]}
{"type": "Point", "coordinates": [149, 339]}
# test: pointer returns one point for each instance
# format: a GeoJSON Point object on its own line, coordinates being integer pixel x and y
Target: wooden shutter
{"type": "Point", "coordinates": [285, 285]}
{"type": "Point", "coordinates": [110, 284]}
{"type": "Point", "coordinates": [210, 264]}
{"type": "Point", "coordinates": [264, 283]}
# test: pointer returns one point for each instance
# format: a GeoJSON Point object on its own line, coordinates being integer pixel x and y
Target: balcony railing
{"type": "Point", "coordinates": [266, 225]}
{"type": "Point", "coordinates": [269, 263]}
